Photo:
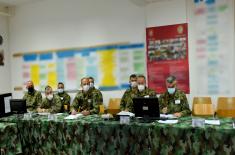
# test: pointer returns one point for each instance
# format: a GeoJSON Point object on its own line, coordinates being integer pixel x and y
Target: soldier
{"type": "Point", "coordinates": [64, 97]}
{"type": "Point", "coordinates": [129, 94]}
{"type": "Point", "coordinates": [92, 87]}
{"type": "Point", "coordinates": [86, 101]}
{"type": "Point", "coordinates": [33, 97]}
{"type": "Point", "coordinates": [51, 103]}
{"type": "Point", "coordinates": [141, 91]}
{"type": "Point", "coordinates": [174, 101]}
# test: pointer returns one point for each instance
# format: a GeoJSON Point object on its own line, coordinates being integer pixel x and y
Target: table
{"type": "Point", "coordinates": [93, 135]}
{"type": "Point", "coordinates": [9, 141]}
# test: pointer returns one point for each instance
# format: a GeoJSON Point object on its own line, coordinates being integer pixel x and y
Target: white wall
{"type": "Point", "coordinates": [54, 24]}
{"type": "Point", "coordinates": [5, 78]}
{"type": "Point", "coordinates": [170, 12]}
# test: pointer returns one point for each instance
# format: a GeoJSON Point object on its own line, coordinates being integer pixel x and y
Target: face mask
{"type": "Point", "coordinates": [141, 87]}
{"type": "Point", "coordinates": [91, 85]}
{"type": "Point", "coordinates": [30, 89]}
{"type": "Point", "coordinates": [133, 84]}
{"type": "Point", "coordinates": [60, 90]}
{"type": "Point", "coordinates": [49, 97]}
{"type": "Point", "coordinates": [85, 88]}
{"type": "Point", "coordinates": [171, 90]}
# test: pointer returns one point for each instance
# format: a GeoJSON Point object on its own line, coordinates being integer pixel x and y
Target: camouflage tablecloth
{"type": "Point", "coordinates": [9, 141]}
{"type": "Point", "coordinates": [93, 135]}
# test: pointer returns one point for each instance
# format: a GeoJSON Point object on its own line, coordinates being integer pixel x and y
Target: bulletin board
{"type": "Point", "coordinates": [109, 65]}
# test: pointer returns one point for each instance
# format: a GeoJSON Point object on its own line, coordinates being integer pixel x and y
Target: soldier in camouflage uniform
{"type": "Point", "coordinates": [51, 103]}
{"type": "Point", "coordinates": [86, 101]}
{"type": "Point", "coordinates": [129, 94]}
{"type": "Point", "coordinates": [64, 97]}
{"type": "Point", "coordinates": [33, 97]}
{"type": "Point", "coordinates": [174, 101]}
{"type": "Point", "coordinates": [93, 89]}
{"type": "Point", "coordinates": [138, 89]}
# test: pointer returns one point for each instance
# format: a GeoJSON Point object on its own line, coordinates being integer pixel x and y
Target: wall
{"type": "Point", "coordinates": [170, 12]}
{"type": "Point", "coordinates": [5, 78]}
{"type": "Point", "coordinates": [44, 25]}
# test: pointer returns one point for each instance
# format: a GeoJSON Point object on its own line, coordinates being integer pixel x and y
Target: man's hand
{"type": "Point", "coordinates": [177, 114]}
{"type": "Point", "coordinates": [85, 112]}
{"type": "Point", "coordinates": [39, 110]}
{"type": "Point", "coordinates": [74, 112]}
{"type": "Point", "coordinates": [164, 110]}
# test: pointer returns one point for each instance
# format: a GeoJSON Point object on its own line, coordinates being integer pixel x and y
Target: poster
{"type": "Point", "coordinates": [214, 20]}
{"type": "Point", "coordinates": [109, 65]}
{"type": "Point", "coordinates": [167, 54]}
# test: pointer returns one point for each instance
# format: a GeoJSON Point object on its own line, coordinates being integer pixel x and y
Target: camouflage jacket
{"type": "Point", "coordinates": [175, 103]}
{"type": "Point", "coordinates": [33, 100]}
{"type": "Point", "coordinates": [65, 100]}
{"type": "Point", "coordinates": [89, 101]}
{"type": "Point", "coordinates": [126, 101]}
{"type": "Point", "coordinates": [100, 96]}
{"type": "Point", "coordinates": [53, 106]}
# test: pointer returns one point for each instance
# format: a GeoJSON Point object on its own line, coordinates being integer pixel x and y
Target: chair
{"type": "Point", "coordinates": [202, 106]}
{"type": "Point", "coordinates": [114, 106]}
{"type": "Point", "coordinates": [101, 109]}
{"type": "Point", "coordinates": [226, 107]}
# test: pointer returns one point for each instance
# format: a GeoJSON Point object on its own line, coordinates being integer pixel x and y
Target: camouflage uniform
{"type": "Point", "coordinates": [65, 100]}
{"type": "Point", "coordinates": [175, 103]}
{"type": "Point", "coordinates": [87, 101]}
{"type": "Point", "coordinates": [126, 101]}
{"type": "Point", "coordinates": [100, 96]}
{"type": "Point", "coordinates": [53, 105]}
{"type": "Point", "coordinates": [33, 100]}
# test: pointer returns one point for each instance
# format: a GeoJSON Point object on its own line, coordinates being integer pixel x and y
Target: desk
{"type": "Point", "coordinates": [9, 141]}
{"type": "Point", "coordinates": [92, 135]}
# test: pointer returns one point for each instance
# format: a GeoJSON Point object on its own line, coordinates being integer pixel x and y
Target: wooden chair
{"type": "Point", "coordinates": [202, 106]}
{"type": "Point", "coordinates": [114, 105]}
{"type": "Point", "coordinates": [226, 107]}
{"type": "Point", "coordinates": [101, 109]}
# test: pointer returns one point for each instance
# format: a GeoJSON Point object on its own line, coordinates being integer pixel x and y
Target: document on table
{"type": "Point", "coordinates": [168, 121]}
{"type": "Point", "coordinates": [212, 122]}
{"type": "Point", "coordinates": [7, 104]}
{"type": "Point", "coordinates": [126, 113]}
{"type": "Point", "coordinates": [167, 116]}
{"type": "Point", "coordinates": [73, 116]}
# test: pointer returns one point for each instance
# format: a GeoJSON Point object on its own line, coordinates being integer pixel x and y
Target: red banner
{"type": "Point", "coordinates": [167, 54]}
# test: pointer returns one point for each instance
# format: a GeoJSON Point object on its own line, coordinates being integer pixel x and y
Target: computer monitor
{"type": "Point", "coordinates": [18, 106]}
{"type": "Point", "coordinates": [5, 108]}
{"type": "Point", "coordinates": [146, 107]}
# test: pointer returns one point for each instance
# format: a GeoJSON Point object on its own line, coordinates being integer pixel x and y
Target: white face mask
{"type": "Point", "coordinates": [171, 90]}
{"type": "Point", "coordinates": [85, 88]}
{"type": "Point", "coordinates": [60, 90]}
{"type": "Point", "coordinates": [141, 87]}
{"type": "Point", "coordinates": [133, 84]}
{"type": "Point", "coordinates": [49, 97]}
{"type": "Point", "coordinates": [91, 85]}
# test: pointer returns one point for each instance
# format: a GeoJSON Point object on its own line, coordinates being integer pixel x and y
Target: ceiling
{"type": "Point", "coordinates": [15, 2]}
{"type": "Point", "coordinates": [20, 2]}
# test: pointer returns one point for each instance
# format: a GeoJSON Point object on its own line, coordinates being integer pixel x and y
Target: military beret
{"type": "Point", "coordinates": [171, 79]}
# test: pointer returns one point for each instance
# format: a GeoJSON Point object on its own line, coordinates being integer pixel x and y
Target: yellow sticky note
{"type": "Point", "coordinates": [34, 73]}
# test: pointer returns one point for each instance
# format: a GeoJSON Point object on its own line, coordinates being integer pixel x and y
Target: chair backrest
{"type": "Point", "coordinates": [226, 107]}
{"type": "Point", "coordinates": [101, 109]}
{"type": "Point", "coordinates": [114, 105]}
{"type": "Point", "coordinates": [202, 106]}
